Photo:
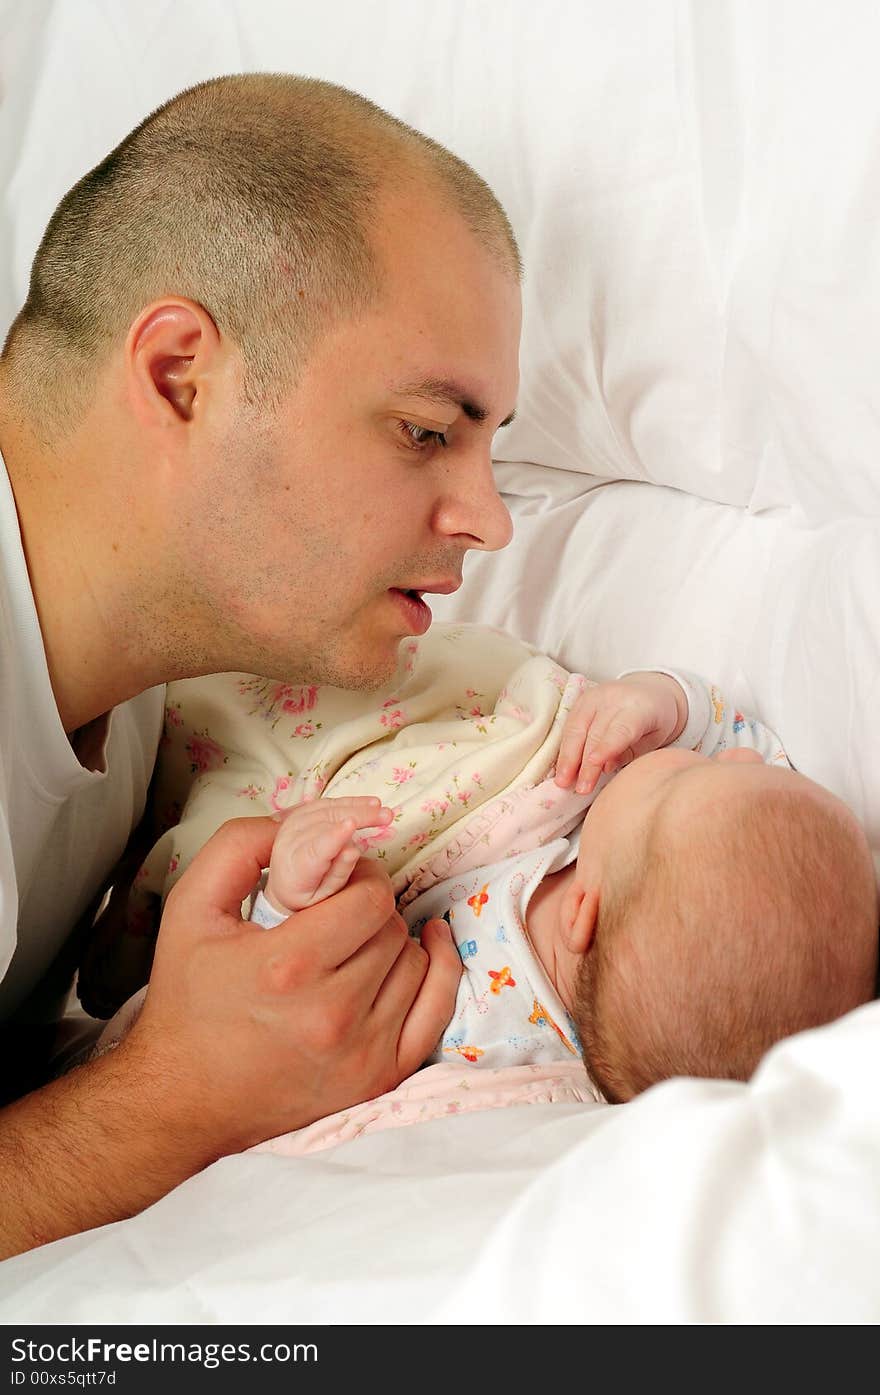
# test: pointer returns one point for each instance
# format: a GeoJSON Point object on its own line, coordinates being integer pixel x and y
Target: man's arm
{"type": "Point", "coordinates": [245, 1034]}
{"type": "Point", "coordinates": [97, 1145]}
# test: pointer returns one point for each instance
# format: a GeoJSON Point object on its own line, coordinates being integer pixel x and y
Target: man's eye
{"type": "Point", "coordinates": [418, 436]}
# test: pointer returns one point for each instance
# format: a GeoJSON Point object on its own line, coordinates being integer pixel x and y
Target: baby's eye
{"type": "Point", "coordinates": [419, 436]}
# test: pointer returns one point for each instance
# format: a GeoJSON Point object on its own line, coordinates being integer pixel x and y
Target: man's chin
{"type": "Point", "coordinates": [376, 670]}
{"type": "Point", "coordinates": [365, 668]}
{"type": "Point", "coordinates": [363, 662]}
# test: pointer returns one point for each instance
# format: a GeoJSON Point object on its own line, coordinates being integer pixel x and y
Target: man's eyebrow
{"type": "Point", "coordinates": [447, 390]}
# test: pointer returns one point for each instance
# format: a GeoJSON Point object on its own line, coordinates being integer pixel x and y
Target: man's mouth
{"type": "Point", "coordinates": [444, 586]}
{"type": "Point", "coordinates": [411, 603]}
{"type": "Point", "coordinates": [417, 616]}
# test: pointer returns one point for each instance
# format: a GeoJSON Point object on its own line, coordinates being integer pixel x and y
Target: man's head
{"type": "Point", "coordinates": [731, 904]}
{"type": "Point", "coordinates": [263, 310]}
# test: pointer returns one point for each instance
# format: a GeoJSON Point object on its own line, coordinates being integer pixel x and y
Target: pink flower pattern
{"type": "Point", "coordinates": [470, 716]}
{"type": "Point", "coordinates": [401, 773]}
{"type": "Point", "coordinates": [282, 785]}
{"type": "Point", "coordinates": [374, 838]}
{"type": "Point", "coordinates": [392, 720]}
{"type": "Point", "coordinates": [204, 753]}
{"type": "Point", "coordinates": [251, 792]}
{"type": "Point", "coordinates": [303, 701]}
{"type": "Point", "coordinates": [418, 840]}
{"type": "Point", "coordinates": [522, 714]}
{"type": "Point", "coordinates": [272, 699]}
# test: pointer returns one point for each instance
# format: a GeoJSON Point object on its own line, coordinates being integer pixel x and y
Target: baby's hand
{"type": "Point", "coordinates": [313, 855]}
{"type": "Point", "coordinates": [613, 723]}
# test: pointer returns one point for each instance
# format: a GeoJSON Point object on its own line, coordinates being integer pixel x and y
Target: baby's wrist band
{"type": "Point", "coordinates": [264, 913]}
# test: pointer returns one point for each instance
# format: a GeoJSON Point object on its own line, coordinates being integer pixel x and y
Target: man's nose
{"type": "Point", "coordinates": [473, 510]}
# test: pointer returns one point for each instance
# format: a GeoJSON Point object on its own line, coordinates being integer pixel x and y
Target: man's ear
{"type": "Point", "coordinates": [170, 351]}
{"type": "Point", "coordinates": [580, 912]}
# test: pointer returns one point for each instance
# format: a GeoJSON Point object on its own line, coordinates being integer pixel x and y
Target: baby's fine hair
{"type": "Point", "coordinates": [723, 934]}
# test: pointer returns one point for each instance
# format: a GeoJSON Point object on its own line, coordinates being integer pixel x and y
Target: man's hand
{"type": "Point", "coordinates": [266, 1031]}
{"type": "Point", "coordinates": [612, 723]}
{"type": "Point", "coordinates": [245, 1033]}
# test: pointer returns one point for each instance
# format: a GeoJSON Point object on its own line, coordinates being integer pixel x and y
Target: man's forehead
{"type": "Point", "coordinates": [451, 392]}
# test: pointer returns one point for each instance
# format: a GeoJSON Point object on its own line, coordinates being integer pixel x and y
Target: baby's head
{"type": "Point", "coordinates": [724, 904]}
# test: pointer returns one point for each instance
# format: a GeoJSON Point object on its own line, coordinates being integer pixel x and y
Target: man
{"type": "Point", "coordinates": [246, 415]}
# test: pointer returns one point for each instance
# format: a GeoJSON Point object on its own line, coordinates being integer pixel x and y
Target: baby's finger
{"type": "Point", "coordinates": [619, 761]}
{"type": "Point", "coordinates": [308, 846]}
{"type": "Point", "coordinates": [597, 762]}
{"type": "Point", "coordinates": [609, 738]}
{"type": "Point", "coordinates": [574, 737]}
{"type": "Point", "coordinates": [587, 777]}
{"type": "Point", "coordinates": [365, 809]}
{"type": "Point", "coordinates": [595, 752]}
{"type": "Point", "coordinates": [318, 846]}
{"type": "Point", "coordinates": [337, 874]}
{"type": "Point", "coordinates": [299, 869]}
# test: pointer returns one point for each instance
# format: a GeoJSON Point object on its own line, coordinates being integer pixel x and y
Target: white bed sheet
{"type": "Point", "coordinates": [694, 475]}
{"type": "Point", "coordinates": [700, 1202]}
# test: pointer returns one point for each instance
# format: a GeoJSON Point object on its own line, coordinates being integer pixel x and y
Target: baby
{"type": "Point", "coordinates": [712, 901]}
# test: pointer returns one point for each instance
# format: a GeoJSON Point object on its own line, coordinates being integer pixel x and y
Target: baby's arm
{"type": "Point", "coordinates": [314, 853]}
{"type": "Point", "coordinates": [613, 723]}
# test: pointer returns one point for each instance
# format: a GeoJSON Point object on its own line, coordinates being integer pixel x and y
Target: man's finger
{"type": "Point", "coordinates": [228, 867]}
{"type": "Point", "coordinates": [434, 1002]}
{"type": "Point", "coordinates": [336, 930]}
{"type": "Point", "coordinates": [363, 974]}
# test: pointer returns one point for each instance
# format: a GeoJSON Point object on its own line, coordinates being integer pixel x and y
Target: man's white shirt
{"type": "Point", "coordinates": [63, 826]}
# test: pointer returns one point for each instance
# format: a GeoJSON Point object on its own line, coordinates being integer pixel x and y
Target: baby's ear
{"type": "Point", "coordinates": [579, 913]}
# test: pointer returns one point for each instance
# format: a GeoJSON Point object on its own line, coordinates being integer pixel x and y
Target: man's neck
{"type": "Point", "coordinates": [79, 574]}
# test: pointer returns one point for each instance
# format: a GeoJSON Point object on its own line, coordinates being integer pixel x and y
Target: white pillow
{"type": "Point", "coordinates": [702, 300]}
{"type": "Point", "coordinates": [581, 120]}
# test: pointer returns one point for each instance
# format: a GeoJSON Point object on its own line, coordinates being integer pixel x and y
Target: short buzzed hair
{"type": "Point", "coordinates": [253, 196]}
{"type": "Point", "coordinates": [724, 935]}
